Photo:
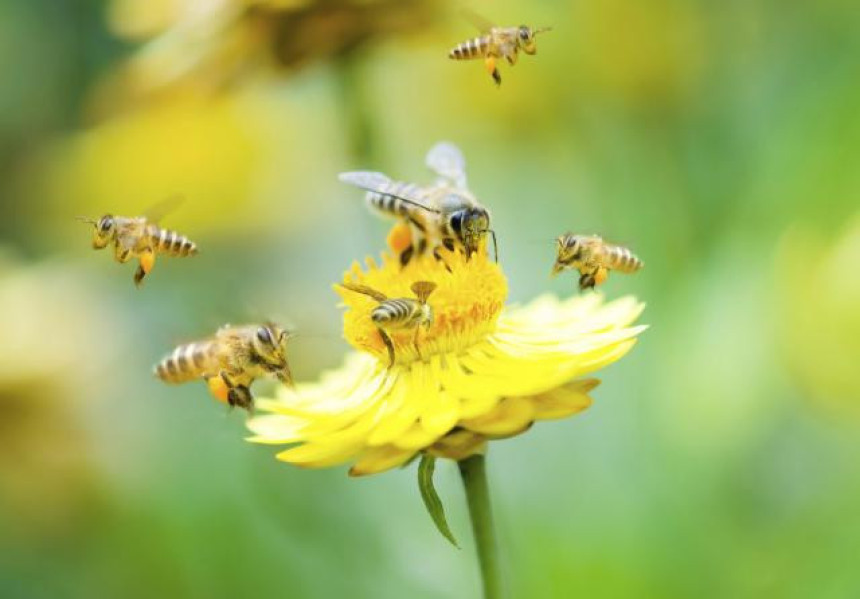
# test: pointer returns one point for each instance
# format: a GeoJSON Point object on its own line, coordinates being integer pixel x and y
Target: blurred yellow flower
{"type": "Point", "coordinates": [818, 286]}
{"type": "Point", "coordinates": [487, 372]}
{"type": "Point", "coordinates": [210, 46]}
{"type": "Point", "coordinates": [48, 474]}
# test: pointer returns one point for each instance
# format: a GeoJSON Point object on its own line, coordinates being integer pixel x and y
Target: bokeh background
{"type": "Point", "coordinates": [719, 140]}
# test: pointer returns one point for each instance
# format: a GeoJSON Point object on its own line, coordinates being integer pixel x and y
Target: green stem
{"type": "Point", "coordinates": [474, 475]}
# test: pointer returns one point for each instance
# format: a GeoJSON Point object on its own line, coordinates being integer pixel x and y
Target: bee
{"type": "Point", "coordinates": [399, 314]}
{"type": "Point", "coordinates": [593, 258]}
{"type": "Point", "coordinates": [445, 214]}
{"type": "Point", "coordinates": [230, 361]}
{"type": "Point", "coordinates": [140, 237]}
{"type": "Point", "coordinates": [496, 43]}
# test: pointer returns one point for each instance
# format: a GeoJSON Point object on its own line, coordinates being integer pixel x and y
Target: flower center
{"type": "Point", "coordinates": [465, 304]}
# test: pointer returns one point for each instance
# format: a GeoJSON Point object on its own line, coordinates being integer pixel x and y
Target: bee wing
{"type": "Point", "coordinates": [366, 180]}
{"type": "Point", "coordinates": [156, 212]}
{"type": "Point", "coordinates": [446, 160]}
{"type": "Point", "coordinates": [377, 295]}
{"type": "Point", "coordinates": [482, 23]}
{"type": "Point", "coordinates": [379, 183]}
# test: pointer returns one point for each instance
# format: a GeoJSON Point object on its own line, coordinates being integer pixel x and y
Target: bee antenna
{"type": "Point", "coordinates": [495, 245]}
{"type": "Point", "coordinates": [541, 30]}
{"type": "Point", "coordinates": [411, 202]}
{"type": "Point", "coordinates": [86, 219]}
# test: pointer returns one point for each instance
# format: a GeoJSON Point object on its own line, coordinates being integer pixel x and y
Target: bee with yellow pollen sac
{"type": "Point", "coordinates": [485, 371]}
{"type": "Point", "coordinates": [140, 237]}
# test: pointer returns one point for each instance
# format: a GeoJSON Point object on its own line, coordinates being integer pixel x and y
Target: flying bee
{"type": "Point", "coordinates": [230, 361]}
{"type": "Point", "coordinates": [400, 313]}
{"type": "Point", "coordinates": [140, 237]}
{"type": "Point", "coordinates": [445, 214]}
{"type": "Point", "coordinates": [593, 258]}
{"type": "Point", "coordinates": [496, 43]}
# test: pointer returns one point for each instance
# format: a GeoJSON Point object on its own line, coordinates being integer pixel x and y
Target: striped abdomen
{"type": "Point", "coordinates": [396, 313]}
{"type": "Point", "coordinates": [619, 258]}
{"type": "Point", "coordinates": [171, 242]}
{"type": "Point", "coordinates": [189, 362]}
{"type": "Point", "coordinates": [473, 48]}
{"type": "Point", "coordinates": [385, 201]}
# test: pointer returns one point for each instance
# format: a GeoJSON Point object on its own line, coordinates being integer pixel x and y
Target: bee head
{"type": "Point", "coordinates": [104, 230]}
{"type": "Point", "coordinates": [270, 342]}
{"type": "Point", "coordinates": [526, 38]}
{"type": "Point", "coordinates": [568, 251]}
{"type": "Point", "coordinates": [270, 345]}
{"type": "Point", "coordinates": [471, 226]}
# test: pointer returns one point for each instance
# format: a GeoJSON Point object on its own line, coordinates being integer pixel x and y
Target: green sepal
{"type": "Point", "coordinates": [431, 498]}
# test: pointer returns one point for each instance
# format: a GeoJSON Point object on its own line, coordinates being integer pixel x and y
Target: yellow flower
{"type": "Point", "coordinates": [486, 371]}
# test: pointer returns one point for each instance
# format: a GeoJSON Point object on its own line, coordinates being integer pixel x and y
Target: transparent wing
{"type": "Point", "coordinates": [477, 20]}
{"type": "Point", "coordinates": [446, 160]}
{"type": "Point", "coordinates": [379, 183]}
{"type": "Point", "coordinates": [366, 180]}
{"type": "Point", "coordinates": [156, 212]}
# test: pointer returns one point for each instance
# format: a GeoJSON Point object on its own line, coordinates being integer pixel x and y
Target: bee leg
{"type": "Point", "coordinates": [512, 57]}
{"type": "Point", "coordinates": [415, 343]}
{"type": "Point", "coordinates": [406, 256]}
{"type": "Point", "coordinates": [490, 64]}
{"type": "Point", "coordinates": [241, 396]}
{"type": "Point", "coordinates": [439, 257]}
{"type": "Point", "coordinates": [587, 281]}
{"type": "Point", "coordinates": [121, 254]}
{"type": "Point", "coordinates": [389, 344]}
{"type": "Point", "coordinates": [138, 276]}
{"type": "Point", "coordinates": [449, 244]}
{"type": "Point", "coordinates": [237, 394]}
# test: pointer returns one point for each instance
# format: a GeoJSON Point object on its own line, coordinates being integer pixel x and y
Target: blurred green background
{"type": "Point", "coordinates": [719, 140]}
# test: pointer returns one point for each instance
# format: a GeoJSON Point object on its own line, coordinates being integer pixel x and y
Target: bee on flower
{"type": "Point", "coordinates": [442, 215]}
{"type": "Point", "coordinates": [484, 371]}
{"type": "Point", "coordinates": [398, 314]}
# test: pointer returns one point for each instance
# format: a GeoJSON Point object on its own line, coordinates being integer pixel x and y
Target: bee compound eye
{"type": "Point", "coordinates": [524, 33]}
{"type": "Point", "coordinates": [105, 224]}
{"type": "Point", "coordinates": [457, 221]}
{"type": "Point", "coordinates": [264, 335]}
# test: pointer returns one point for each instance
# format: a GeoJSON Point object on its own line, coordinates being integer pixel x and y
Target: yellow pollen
{"type": "Point", "coordinates": [466, 303]}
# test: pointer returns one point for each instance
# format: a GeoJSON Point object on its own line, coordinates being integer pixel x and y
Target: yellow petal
{"type": "Point", "coordinates": [379, 459]}
{"type": "Point", "coordinates": [401, 412]}
{"type": "Point", "coordinates": [276, 429]}
{"type": "Point", "coordinates": [441, 411]}
{"type": "Point", "coordinates": [319, 455]}
{"type": "Point", "coordinates": [564, 401]}
{"type": "Point", "coordinates": [415, 438]}
{"type": "Point", "coordinates": [511, 416]}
